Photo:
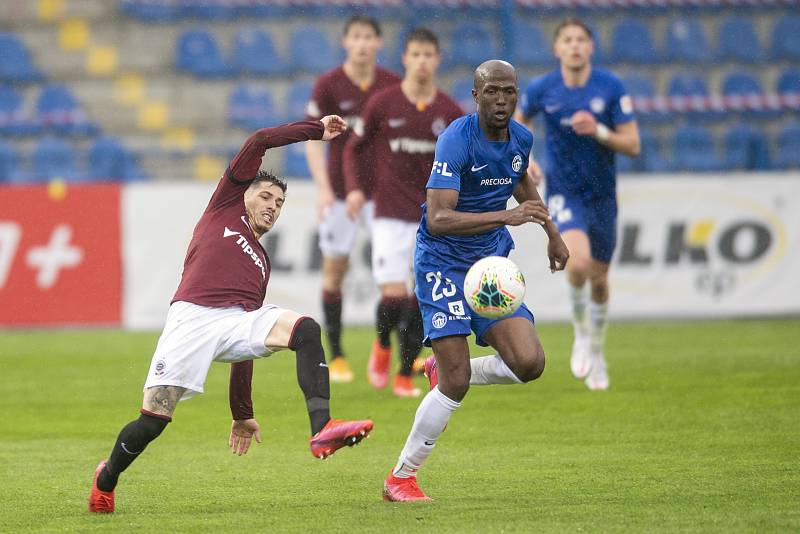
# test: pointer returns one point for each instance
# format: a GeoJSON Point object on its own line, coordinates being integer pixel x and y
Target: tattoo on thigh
{"type": "Point", "coordinates": [162, 399]}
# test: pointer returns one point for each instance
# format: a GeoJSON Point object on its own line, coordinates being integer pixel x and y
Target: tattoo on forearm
{"type": "Point", "coordinates": [162, 399]}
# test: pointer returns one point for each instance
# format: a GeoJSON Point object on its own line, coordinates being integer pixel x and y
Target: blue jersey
{"type": "Point", "coordinates": [578, 165]}
{"type": "Point", "coordinates": [484, 173]}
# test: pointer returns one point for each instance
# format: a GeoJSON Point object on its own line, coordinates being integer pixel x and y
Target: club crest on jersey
{"type": "Point", "coordinates": [516, 163]}
{"type": "Point", "coordinates": [438, 126]}
{"type": "Point", "coordinates": [597, 104]}
{"type": "Point", "coordinates": [161, 366]}
{"type": "Point", "coordinates": [439, 320]}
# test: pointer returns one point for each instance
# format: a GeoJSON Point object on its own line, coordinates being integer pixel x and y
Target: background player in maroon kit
{"type": "Point", "coordinates": [342, 91]}
{"type": "Point", "coordinates": [393, 157]}
{"type": "Point", "coordinates": [218, 314]}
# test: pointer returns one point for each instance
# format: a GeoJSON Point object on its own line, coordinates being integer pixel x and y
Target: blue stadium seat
{"type": "Point", "coordinates": [640, 87]}
{"type": "Point", "coordinates": [297, 97]}
{"type": "Point", "coordinates": [198, 53]}
{"type": "Point", "coordinates": [254, 52]}
{"type": "Point", "coordinates": [789, 82]}
{"type": "Point", "coordinates": [746, 148]}
{"type": "Point", "coordinates": [532, 48]}
{"type": "Point", "coordinates": [686, 41]}
{"type": "Point", "coordinates": [741, 88]}
{"type": "Point", "coordinates": [632, 42]}
{"type": "Point", "coordinates": [9, 163]}
{"type": "Point", "coordinates": [53, 158]}
{"type": "Point", "coordinates": [108, 160]}
{"type": "Point", "coordinates": [788, 148]}
{"type": "Point", "coordinates": [60, 112]}
{"type": "Point", "coordinates": [689, 85]}
{"type": "Point", "coordinates": [738, 40]}
{"type": "Point", "coordinates": [14, 119]}
{"type": "Point", "coordinates": [651, 158]}
{"type": "Point", "coordinates": [310, 50]}
{"type": "Point", "coordinates": [153, 11]}
{"type": "Point", "coordinates": [462, 94]}
{"type": "Point", "coordinates": [16, 64]}
{"type": "Point", "coordinates": [252, 107]}
{"type": "Point", "coordinates": [212, 10]}
{"type": "Point", "coordinates": [294, 161]}
{"type": "Point", "coordinates": [693, 150]}
{"type": "Point", "coordinates": [472, 44]}
{"type": "Point", "coordinates": [786, 38]}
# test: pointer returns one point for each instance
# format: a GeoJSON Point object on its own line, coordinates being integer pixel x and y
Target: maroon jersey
{"type": "Point", "coordinates": [335, 94]}
{"type": "Point", "coordinates": [225, 264]}
{"type": "Point", "coordinates": [394, 155]}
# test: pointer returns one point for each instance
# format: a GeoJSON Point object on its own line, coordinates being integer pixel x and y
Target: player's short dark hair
{"type": "Point", "coordinates": [265, 176]}
{"type": "Point", "coordinates": [572, 21]}
{"type": "Point", "coordinates": [365, 20]}
{"type": "Point", "coordinates": [421, 35]}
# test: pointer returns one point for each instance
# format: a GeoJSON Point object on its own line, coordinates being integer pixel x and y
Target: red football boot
{"type": "Point", "coordinates": [431, 371]}
{"type": "Point", "coordinates": [100, 501]}
{"type": "Point", "coordinates": [337, 434]}
{"type": "Point", "coordinates": [397, 489]}
{"type": "Point", "coordinates": [378, 367]}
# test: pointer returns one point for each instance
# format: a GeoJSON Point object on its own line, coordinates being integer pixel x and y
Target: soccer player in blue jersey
{"type": "Point", "coordinates": [480, 162]}
{"type": "Point", "coordinates": [588, 118]}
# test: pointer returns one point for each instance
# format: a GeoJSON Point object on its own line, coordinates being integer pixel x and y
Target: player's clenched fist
{"type": "Point", "coordinates": [334, 125]}
{"type": "Point", "coordinates": [584, 123]}
{"type": "Point", "coordinates": [530, 211]}
{"type": "Point", "coordinates": [558, 253]}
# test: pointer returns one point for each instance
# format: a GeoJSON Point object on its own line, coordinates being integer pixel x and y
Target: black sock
{"type": "Point", "coordinates": [132, 440]}
{"type": "Point", "coordinates": [411, 334]}
{"type": "Point", "coordinates": [390, 310]}
{"type": "Point", "coordinates": [312, 373]}
{"type": "Point", "coordinates": [332, 311]}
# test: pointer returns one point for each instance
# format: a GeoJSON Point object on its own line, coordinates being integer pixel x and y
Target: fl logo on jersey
{"type": "Point", "coordinates": [516, 163]}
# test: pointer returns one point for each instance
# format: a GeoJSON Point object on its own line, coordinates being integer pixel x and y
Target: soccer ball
{"type": "Point", "coordinates": [494, 287]}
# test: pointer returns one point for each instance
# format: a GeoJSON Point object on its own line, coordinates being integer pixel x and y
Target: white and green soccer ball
{"type": "Point", "coordinates": [494, 287]}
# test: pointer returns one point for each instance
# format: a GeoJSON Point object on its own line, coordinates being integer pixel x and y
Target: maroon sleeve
{"type": "Point", "coordinates": [245, 164]}
{"type": "Point", "coordinates": [318, 102]}
{"type": "Point", "coordinates": [240, 390]}
{"type": "Point", "coordinates": [357, 159]}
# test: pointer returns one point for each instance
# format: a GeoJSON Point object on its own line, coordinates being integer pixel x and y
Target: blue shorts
{"type": "Point", "coordinates": [597, 218]}
{"type": "Point", "coordinates": [440, 293]}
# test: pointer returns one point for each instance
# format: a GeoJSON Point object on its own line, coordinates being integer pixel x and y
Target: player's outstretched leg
{"type": "Point", "coordinates": [328, 435]}
{"type": "Point", "coordinates": [597, 378]}
{"type": "Point", "coordinates": [131, 442]}
{"type": "Point", "coordinates": [580, 362]}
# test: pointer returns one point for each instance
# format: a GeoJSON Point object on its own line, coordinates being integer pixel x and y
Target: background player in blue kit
{"type": "Point", "coordinates": [589, 117]}
{"type": "Point", "coordinates": [480, 162]}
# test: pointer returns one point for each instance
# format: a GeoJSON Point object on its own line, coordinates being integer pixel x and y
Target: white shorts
{"type": "Point", "coordinates": [337, 231]}
{"type": "Point", "coordinates": [194, 336]}
{"type": "Point", "coordinates": [393, 242]}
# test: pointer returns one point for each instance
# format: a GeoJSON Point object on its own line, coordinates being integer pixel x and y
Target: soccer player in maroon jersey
{"type": "Point", "coordinates": [342, 91]}
{"type": "Point", "coordinates": [393, 158]}
{"type": "Point", "coordinates": [218, 314]}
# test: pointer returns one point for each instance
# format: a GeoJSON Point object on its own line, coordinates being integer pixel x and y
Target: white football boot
{"type": "Point", "coordinates": [581, 360]}
{"type": "Point", "coordinates": [598, 375]}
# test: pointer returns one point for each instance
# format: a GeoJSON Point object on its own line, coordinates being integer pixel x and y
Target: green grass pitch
{"type": "Point", "coordinates": [700, 432]}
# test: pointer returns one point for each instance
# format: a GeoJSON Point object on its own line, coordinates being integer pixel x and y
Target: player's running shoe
{"type": "Point", "coordinates": [581, 360]}
{"type": "Point", "coordinates": [404, 387]}
{"type": "Point", "coordinates": [340, 370]}
{"type": "Point", "coordinates": [598, 376]}
{"type": "Point", "coordinates": [337, 434]}
{"type": "Point", "coordinates": [431, 371]}
{"type": "Point", "coordinates": [398, 489]}
{"type": "Point", "coordinates": [100, 501]}
{"type": "Point", "coordinates": [378, 367]}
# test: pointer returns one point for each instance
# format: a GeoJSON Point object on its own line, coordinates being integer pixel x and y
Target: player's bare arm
{"type": "Point", "coordinates": [242, 434]}
{"type": "Point", "coordinates": [162, 400]}
{"type": "Point", "coordinates": [315, 155]}
{"type": "Point", "coordinates": [355, 200]}
{"type": "Point", "coordinates": [557, 251]}
{"type": "Point", "coordinates": [623, 139]}
{"type": "Point", "coordinates": [443, 219]}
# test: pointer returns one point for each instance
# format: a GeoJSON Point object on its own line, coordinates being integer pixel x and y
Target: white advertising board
{"type": "Point", "coordinates": [688, 246]}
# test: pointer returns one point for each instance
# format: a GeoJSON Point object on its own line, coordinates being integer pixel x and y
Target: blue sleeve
{"type": "Point", "coordinates": [621, 104]}
{"type": "Point", "coordinates": [531, 101]}
{"type": "Point", "coordinates": [450, 160]}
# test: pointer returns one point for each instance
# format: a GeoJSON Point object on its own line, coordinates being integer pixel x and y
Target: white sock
{"type": "Point", "coordinates": [491, 370]}
{"type": "Point", "coordinates": [432, 416]}
{"type": "Point", "coordinates": [598, 315]}
{"type": "Point", "coordinates": [579, 297]}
